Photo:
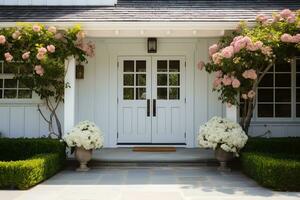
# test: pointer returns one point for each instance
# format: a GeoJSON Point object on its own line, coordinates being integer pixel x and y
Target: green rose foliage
{"type": "Point", "coordinates": [241, 59]}
{"type": "Point", "coordinates": [37, 54]}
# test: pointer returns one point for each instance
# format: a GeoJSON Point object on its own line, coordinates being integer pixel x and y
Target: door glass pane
{"type": "Point", "coordinates": [128, 93]}
{"type": "Point", "coordinates": [25, 94]}
{"type": "Point", "coordinates": [174, 65]}
{"type": "Point", "coordinates": [174, 93]}
{"type": "Point", "coordinates": [174, 79]}
{"type": "Point", "coordinates": [162, 79]}
{"type": "Point", "coordinates": [282, 80]}
{"type": "Point", "coordinates": [128, 79]}
{"type": "Point", "coordinates": [1, 83]}
{"type": "Point", "coordinates": [298, 79]}
{"type": "Point", "coordinates": [140, 79]}
{"type": "Point", "coordinates": [283, 67]}
{"type": "Point", "coordinates": [283, 95]}
{"type": "Point", "coordinates": [265, 110]}
{"type": "Point", "coordinates": [140, 66]}
{"type": "Point", "coordinates": [10, 83]}
{"type": "Point", "coordinates": [128, 66]}
{"type": "Point", "coordinates": [298, 95]}
{"type": "Point", "coordinates": [140, 93]}
{"type": "Point", "coordinates": [283, 110]}
{"type": "Point", "coordinates": [162, 93]}
{"type": "Point", "coordinates": [267, 81]}
{"type": "Point", "coordinates": [265, 95]}
{"type": "Point", "coordinates": [10, 94]}
{"type": "Point", "coordinates": [162, 66]}
{"type": "Point", "coordinates": [298, 110]}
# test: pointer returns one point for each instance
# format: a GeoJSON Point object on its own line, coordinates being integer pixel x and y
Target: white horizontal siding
{"type": "Point", "coordinates": [57, 2]}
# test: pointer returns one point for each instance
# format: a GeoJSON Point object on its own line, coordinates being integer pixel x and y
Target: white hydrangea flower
{"type": "Point", "coordinates": [85, 134]}
{"type": "Point", "coordinates": [223, 133]}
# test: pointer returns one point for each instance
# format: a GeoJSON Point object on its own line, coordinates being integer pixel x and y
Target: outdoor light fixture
{"type": "Point", "coordinates": [152, 45]}
{"type": "Point", "coordinates": [79, 71]}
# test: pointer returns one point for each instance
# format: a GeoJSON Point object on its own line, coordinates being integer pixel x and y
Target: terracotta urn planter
{"type": "Point", "coordinates": [223, 157]}
{"type": "Point", "coordinates": [83, 156]}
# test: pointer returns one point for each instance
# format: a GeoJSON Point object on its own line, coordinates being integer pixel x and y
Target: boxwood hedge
{"type": "Point", "coordinates": [26, 162]}
{"type": "Point", "coordinates": [273, 163]}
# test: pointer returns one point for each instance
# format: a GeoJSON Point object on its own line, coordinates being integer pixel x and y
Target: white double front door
{"type": "Point", "coordinates": [151, 100]}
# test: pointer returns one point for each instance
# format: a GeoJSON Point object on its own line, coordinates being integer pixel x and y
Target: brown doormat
{"type": "Point", "coordinates": [154, 149]}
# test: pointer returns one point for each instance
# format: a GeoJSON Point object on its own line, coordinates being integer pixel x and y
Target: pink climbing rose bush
{"type": "Point", "coordinates": [240, 61]}
{"type": "Point", "coordinates": [37, 54]}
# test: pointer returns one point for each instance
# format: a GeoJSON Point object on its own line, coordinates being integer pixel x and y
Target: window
{"type": "Point", "coordinates": [134, 79]}
{"type": "Point", "coordinates": [278, 94]}
{"type": "Point", "coordinates": [168, 79]}
{"type": "Point", "coordinates": [11, 88]}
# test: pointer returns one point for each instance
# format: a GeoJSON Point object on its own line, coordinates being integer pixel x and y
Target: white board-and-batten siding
{"type": "Point", "coordinates": [96, 94]}
{"type": "Point", "coordinates": [58, 2]}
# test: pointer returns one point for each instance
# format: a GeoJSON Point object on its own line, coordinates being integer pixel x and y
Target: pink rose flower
{"type": "Point", "coordinates": [217, 57]}
{"type": "Point", "coordinates": [52, 29]}
{"type": "Point", "coordinates": [36, 28]}
{"type": "Point", "coordinates": [39, 70]}
{"type": "Point", "coordinates": [51, 48]}
{"type": "Point", "coordinates": [285, 13]}
{"type": "Point", "coordinates": [261, 18]}
{"type": "Point", "coordinates": [250, 74]}
{"type": "Point", "coordinates": [2, 39]}
{"type": "Point", "coordinates": [8, 57]}
{"type": "Point", "coordinates": [217, 82]}
{"type": "Point", "coordinates": [251, 94]}
{"type": "Point", "coordinates": [88, 48]}
{"type": "Point", "coordinates": [296, 38]}
{"type": "Point", "coordinates": [16, 35]}
{"type": "Point", "coordinates": [227, 52]}
{"type": "Point", "coordinates": [42, 50]}
{"type": "Point", "coordinates": [236, 83]}
{"type": "Point", "coordinates": [286, 38]}
{"type": "Point", "coordinates": [240, 43]}
{"type": "Point", "coordinates": [40, 56]}
{"type": "Point", "coordinates": [252, 47]}
{"type": "Point", "coordinates": [227, 80]}
{"type": "Point", "coordinates": [80, 35]}
{"type": "Point", "coordinates": [218, 74]}
{"type": "Point", "coordinates": [200, 65]}
{"type": "Point", "coordinates": [258, 44]}
{"type": "Point", "coordinates": [26, 55]}
{"type": "Point", "coordinates": [244, 96]}
{"type": "Point", "coordinates": [291, 18]}
{"type": "Point", "coordinates": [276, 17]}
{"type": "Point", "coordinates": [266, 50]}
{"type": "Point", "coordinates": [213, 49]}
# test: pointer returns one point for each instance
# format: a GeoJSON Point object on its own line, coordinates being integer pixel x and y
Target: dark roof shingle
{"type": "Point", "coordinates": [157, 10]}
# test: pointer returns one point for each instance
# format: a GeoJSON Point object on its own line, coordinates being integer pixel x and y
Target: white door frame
{"type": "Point", "coordinates": [136, 47]}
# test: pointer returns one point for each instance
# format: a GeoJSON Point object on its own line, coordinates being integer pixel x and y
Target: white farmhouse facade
{"type": "Point", "coordinates": [139, 97]}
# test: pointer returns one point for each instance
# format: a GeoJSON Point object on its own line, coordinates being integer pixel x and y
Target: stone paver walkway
{"type": "Point", "coordinates": [152, 183]}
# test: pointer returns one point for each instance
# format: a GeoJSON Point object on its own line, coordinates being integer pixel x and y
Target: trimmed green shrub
{"type": "Point", "coordinates": [26, 162]}
{"type": "Point", "coordinates": [26, 173]}
{"type": "Point", "coordinates": [278, 171]}
{"type": "Point", "coordinates": [289, 145]}
{"type": "Point", "coordinates": [23, 148]}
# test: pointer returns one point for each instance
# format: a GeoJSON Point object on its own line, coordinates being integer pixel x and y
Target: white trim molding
{"type": "Point", "coordinates": [69, 96]}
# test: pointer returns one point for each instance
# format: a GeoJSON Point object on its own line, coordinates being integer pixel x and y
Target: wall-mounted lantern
{"type": "Point", "coordinates": [152, 45]}
{"type": "Point", "coordinates": [79, 71]}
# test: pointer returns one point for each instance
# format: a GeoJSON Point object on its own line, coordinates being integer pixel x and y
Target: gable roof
{"type": "Point", "coordinates": [150, 11]}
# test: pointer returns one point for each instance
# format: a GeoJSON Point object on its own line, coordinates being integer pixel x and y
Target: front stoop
{"type": "Point", "coordinates": [126, 157]}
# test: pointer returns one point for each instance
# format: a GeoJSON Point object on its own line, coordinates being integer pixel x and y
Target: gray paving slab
{"type": "Point", "coordinates": [149, 183]}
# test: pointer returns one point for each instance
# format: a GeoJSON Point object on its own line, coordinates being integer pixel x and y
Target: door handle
{"type": "Point", "coordinates": [148, 107]}
{"type": "Point", "coordinates": [154, 107]}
